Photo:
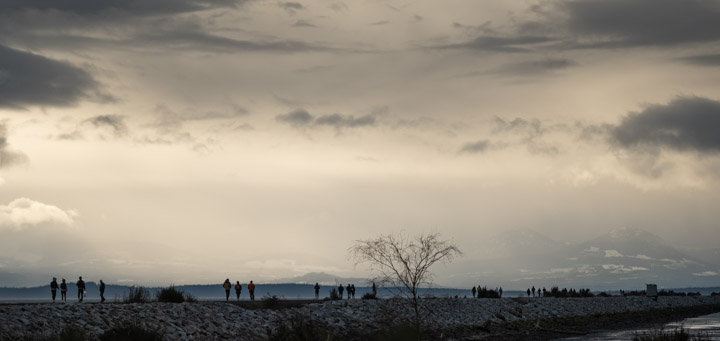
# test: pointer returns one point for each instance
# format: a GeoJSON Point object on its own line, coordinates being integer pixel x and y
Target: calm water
{"type": "Point", "coordinates": [706, 325]}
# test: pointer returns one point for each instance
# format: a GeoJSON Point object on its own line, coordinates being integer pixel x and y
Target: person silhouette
{"type": "Point", "coordinates": [238, 289]}
{"type": "Point", "coordinates": [353, 290]}
{"type": "Point", "coordinates": [349, 290]}
{"type": "Point", "coordinates": [528, 292]}
{"type": "Point", "coordinates": [473, 290]}
{"type": "Point", "coordinates": [53, 288]}
{"type": "Point", "coordinates": [374, 289]}
{"type": "Point", "coordinates": [63, 290]}
{"type": "Point", "coordinates": [500, 292]}
{"type": "Point", "coordinates": [340, 290]}
{"type": "Point", "coordinates": [251, 289]}
{"type": "Point", "coordinates": [102, 291]}
{"type": "Point", "coordinates": [81, 289]}
{"type": "Point", "coordinates": [533, 291]}
{"type": "Point", "coordinates": [226, 286]}
{"type": "Point", "coordinates": [317, 290]}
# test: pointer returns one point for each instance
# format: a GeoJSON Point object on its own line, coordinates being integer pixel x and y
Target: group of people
{"type": "Point", "coordinates": [54, 286]}
{"type": "Point", "coordinates": [483, 292]}
{"type": "Point", "coordinates": [350, 290]}
{"type": "Point", "coordinates": [238, 289]}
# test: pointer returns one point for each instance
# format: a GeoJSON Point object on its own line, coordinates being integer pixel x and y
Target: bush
{"type": "Point", "coordinates": [603, 294]}
{"type": "Point", "coordinates": [334, 295]}
{"type": "Point", "coordinates": [130, 332]}
{"type": "Point", "coordinates": [299, 328]}
{"type": "Point", "coordinates": [171, 295]}
{"type": "Point", "coordinates": [137, 295]}
{"type": "Point", "coordinates": [484, 292]}
{"type": "Point", "coordinates": [369, 296]}
{"type": "Point", "coordinates": [270, 302]}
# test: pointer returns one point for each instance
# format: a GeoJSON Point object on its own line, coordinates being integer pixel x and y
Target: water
{"type": "Point", "coordinates": [707, 325]}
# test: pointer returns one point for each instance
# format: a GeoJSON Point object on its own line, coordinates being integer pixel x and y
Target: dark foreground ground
{"type": "Point", "coordinates": [558, 328]}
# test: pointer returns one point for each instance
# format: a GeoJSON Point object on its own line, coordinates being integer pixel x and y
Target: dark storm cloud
{"type": "Point", "coordinates": [115, 122]}
{"type": "Point", "coordinates": [702, 60]}
{"type": "Point", "coordinates": [475, 147]}
{"type": "Point", "coordinates": [684, 124]}
{"type": "Point", "coordinates": [9, 157]}
{"type": "Point", "coordinates": [301, 118]}
{"type": "Point", "coordinates": [27, 79]}
{"type": "Point", "coordinates": [642, 22]}
{"type": "Point", "coordinates": [135, 7]}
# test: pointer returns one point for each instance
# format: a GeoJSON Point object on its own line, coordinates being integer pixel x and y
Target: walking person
{"type": "Point", "coordinates": [374, 289]}
{"type": "Point", "coordinates": [251, 289]}
{"type": "Point", "coordinates": [349, 290]}
{"type": "Point", "coordinates": [500, 292]}
{"type": "Point", "coordinates": [81, 289]}
{"type": "Point", "coordinates": [473, 290]}
{"type": "Point", "coordinates": [102, 291]}
{"type": "Point", "coordinates": [238, 289]}
{"type": "Point", "coordinates": [340, 290]}
{"type": "Point", "coordinates": [226, 286]}
{"type": "Point", "coordinates": [63, 291]}
{"type": "Point", "coordinates": [528, 292]}
{"type": "Point", "coordinates": [317, 290]}
{"type": "Point", "coordinates": [353, 290]}
{"type": "Point", "coordinates": [533, 290]}
{"type": "Point", "coordinates": [53, 288]}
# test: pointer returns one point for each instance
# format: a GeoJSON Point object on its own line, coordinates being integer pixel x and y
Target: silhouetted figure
{"type": "Point", "coordinates": [500, 292]}
{"type": "Point", "coordinates": [341, 289]}
{"type": "Point", "coordinates": [251, 289]}
{"type": "Point", "coordinates": [227, 286]}
{"type": "Point", "coordinates": [544, 292]}
{"type": "Point", "coordinates": [81, 289]}
{"type": "Point", "coordinates": [317, 290]}
{"type": "Point", "coordinates": [63, 290]}
{"type": "Point", "coordinates": [53, 288]}
{"type": "Point", "coordinates": [473, 290]}
{"type": "Point", "coordinates": [528, 292]}
{"type": "Point", "coordinates": [374, 289]}
{"type": "Point", "coordinates": [533, 290]}
{"type": "Point", "coordinates": [102, 291]}
{"type": "Point", "coordinates": [353, 290]}
{"type": "Point", "coordinates": [238, 289]}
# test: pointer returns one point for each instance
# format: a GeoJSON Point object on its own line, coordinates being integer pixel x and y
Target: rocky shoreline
{"type": "Point", "coordinates": [349, 319]}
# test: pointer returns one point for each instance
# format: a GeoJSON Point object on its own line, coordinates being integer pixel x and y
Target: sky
{"type": "Point", "coordinates": [186, 141]}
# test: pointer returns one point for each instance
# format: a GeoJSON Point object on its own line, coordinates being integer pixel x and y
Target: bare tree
{"type": "Point", "coordinates": [404, 263]}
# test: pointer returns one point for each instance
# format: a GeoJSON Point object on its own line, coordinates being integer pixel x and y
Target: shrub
{"type": "Point", "coordinates": [299, 328]}
{"type": "Point", "coordinates": [137, 295]}
{"type": "Point", "coordinates": [369, 296]}
{"type": "Point", "coordinates": [603, 294]}
{"type": "Point", "coordinates": [171, 295]}
{"type": "Point", "coordinates": [484, 292]}
{"type": "Point", "coordinates": [130, 332]}
{"type": "Point", "coordinates": [334, 295]}
{"type": "Point", "coordinates": [270, 302]}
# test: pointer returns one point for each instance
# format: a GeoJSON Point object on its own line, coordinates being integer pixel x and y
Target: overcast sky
{"type": "Point", "coordinates": [186, 141]}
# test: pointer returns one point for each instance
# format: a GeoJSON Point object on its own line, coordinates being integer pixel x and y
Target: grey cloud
{"type": "Point", "coordinates": [380, 23]}
{"type": "Point", "coordinates": [303, 23]}
{"type": "Point", "coordinates": [684, 124]}
{"type": "Point", "coordinates": [135, 7]}
{"type": "Point", "coordinates": [9, 157]}
{"type": "Point", "coordinates": [291, 6]}
{"type": "Point", "coordinates": [302, 118]}
{"type": "Point", "coordinates": [525, 69]}
{"type": "Point", "coordinates": [27, 79]}
{"type": "Point", "coordinates": [500, 44]}
{"type": "Point", "coordinates": [643, 22]}
{"type": "Point", "coordinates": [296, 118]}
{"type": "Point", "coordinates": [168, 118]}
{"type": "Point", "coordinates": [532, 128]}
{"type": "Point", "coordinates": [475, 147]}
{"type": "Point", "coordinates": [702, 60]}
{"type": "Point", "coordinates": [340, 121]}
{"type": "Point", "coordinates": [196, 39]}
{"type": "Point", "coordinates": [114, 122]}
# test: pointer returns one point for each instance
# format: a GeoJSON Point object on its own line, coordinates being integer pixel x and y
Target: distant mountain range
{"type": "Point", "coordinates": [623, 258]}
